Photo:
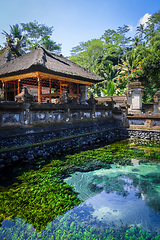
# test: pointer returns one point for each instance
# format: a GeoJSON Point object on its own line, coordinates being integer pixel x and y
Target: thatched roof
{"type": "Point", "coordinates": [45, 61]}
{"type": "Point", "coordinates": [7, 54]}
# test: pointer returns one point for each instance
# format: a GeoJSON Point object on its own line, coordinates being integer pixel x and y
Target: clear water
{"type": "Point", "coordinates": [115, 197]}
{"type": "Point", "coordinates": [123, 195]}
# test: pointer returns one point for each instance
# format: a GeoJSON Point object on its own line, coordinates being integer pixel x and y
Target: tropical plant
{"type": "Point", "coordinates": [110, 89]}
{"type": "Point", "coordinates": [15, 39]}
{"type": "Point", "coordinates": [140, 31]}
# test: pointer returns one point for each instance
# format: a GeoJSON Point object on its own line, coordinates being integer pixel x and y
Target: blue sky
{"type": "Point", "coordinates": [76, 21]}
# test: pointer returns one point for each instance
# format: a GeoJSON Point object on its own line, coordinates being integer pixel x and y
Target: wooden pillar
{"type": "Point", "coordinates": [39, 90]}
{"type": "Point", "coordinates": [14, 89]}
{"type": "Point", "coordinates": [19, 86]}
{"type": "Point", "coordinates": [5, 90]}
{"type": "Point", "coordinates": [77, 92]}
{"type": "Point", "coordinates": [50, 90]}
{"type": "Point", "coordinates": [60, 87]}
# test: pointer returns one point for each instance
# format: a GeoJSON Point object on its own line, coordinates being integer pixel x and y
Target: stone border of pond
{"type": "Point", "coordinates": [27, 154]}
{"type": "Point", "coordinates": [49, 142]}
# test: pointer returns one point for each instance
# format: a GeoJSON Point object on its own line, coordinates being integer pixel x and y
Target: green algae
{"type": "Point", "coordinates": [69, 227]}
{"type": "Point", "coordinates": [121, 152]}
{"type": "Point", "coordinates": [40, 196]}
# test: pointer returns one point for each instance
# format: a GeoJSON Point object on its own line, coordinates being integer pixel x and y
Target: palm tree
{"type": "Point", "coordinates": [15, 39]}
{"type": "Point", "coordinates": [140, 30]}
{"type": "Point", "coordinates": [136, 41]}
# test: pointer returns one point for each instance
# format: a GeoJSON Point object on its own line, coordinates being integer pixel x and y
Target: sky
{"type": "Point", "coordinates": [76, 21]}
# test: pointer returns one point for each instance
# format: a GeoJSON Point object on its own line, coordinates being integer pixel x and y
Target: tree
{"type": "Point", "coordinates": [136, 41]}
{"type": "Point", "coordinates": [50, 45]}
{"type": "Point", "coordinates": [15, 40]}
{"type": "Point", "coordinates": [36, 34]}
{"type": "Point", "coordinates": [140, 31]}
{"type": "Point", "coordinates": [153, 26]}
{"type": "Point", "coordinates": [87, 53]}
{"type": "Point", "coordinates": [151, 62]}
{"type": "Point", "coordinates": [29, 35]}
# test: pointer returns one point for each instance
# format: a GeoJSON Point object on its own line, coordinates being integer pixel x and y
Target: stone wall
{"type": "Point", "coordinates": [144, 120]}
{"type": "Point", "coordinates": [23, 114]}
{"type": "Point", "coordinates": [75, 136]}
{"type": "Point", "coordinates": [145, 134]}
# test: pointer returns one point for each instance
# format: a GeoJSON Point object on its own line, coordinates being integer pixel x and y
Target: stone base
{"type": "Point", "coordinates": [134, 111]}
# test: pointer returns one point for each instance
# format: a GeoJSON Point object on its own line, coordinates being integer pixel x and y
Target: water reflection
{"type": "Point", "coordinates": [115, 197]}
{"type": "Point", "coordinates": [123, 195]}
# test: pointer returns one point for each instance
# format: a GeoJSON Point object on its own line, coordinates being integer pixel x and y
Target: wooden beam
{"type": "Point", "coordinates": [60, 78]}
{"type": "Point", "coordinates": [21, 76]}
{"type": "Point", "coordinates": [51, 95]}
{"type": "Point", "coordinates": [46, 75]}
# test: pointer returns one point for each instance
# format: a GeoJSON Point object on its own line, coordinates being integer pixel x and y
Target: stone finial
{"type": "Point", "coordinates": [135, 84]}
{"type": "Point", "coordinates": [65, 99]}
{"type": "Point", "coordinates": [157, 97]}
{"type": "Point", "coordinates": [92, 101]}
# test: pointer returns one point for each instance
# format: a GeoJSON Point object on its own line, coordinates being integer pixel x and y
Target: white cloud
{"type": "Point", "coordinates": [132, 29]}
{"type": "Point", "coordinates": [143, 20]}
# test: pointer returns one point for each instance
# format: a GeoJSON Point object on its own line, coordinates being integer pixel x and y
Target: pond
{"type": "Point", "coordinates": [111, 192]}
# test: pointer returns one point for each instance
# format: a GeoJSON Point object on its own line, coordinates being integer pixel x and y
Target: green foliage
{"type": "Point", "coordinates": [141, 57]}
{"type": "Point", "coordinates": [29, 35]}
{"type": "Point", "coordinates": [87, 53]}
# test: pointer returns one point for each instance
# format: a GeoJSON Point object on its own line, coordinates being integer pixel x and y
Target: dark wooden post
{"type": "Point", "coordinates": [50, 90]}
{"type": "Point", "coordinates": [77, 92]}
{"type": "Point", "coordinates": [14, 89]}
{"type": "Point", "coordinates": [60, 87]}
{"type": "Point", "coordinates": [5, 90]}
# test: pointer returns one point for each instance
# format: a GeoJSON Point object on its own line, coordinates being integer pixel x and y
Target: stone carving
{"type": "Point", "coordinates": [1, 94]}
{"type": "Point", "coordinates": [24, 96]}
{"type": "Point", "coordinates": [65, 99]}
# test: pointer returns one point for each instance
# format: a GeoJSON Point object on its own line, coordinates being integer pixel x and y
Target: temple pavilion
{"type": "Point", "coordinates": [47, 75]}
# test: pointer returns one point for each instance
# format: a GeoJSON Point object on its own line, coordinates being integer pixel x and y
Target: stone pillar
{"type": "Point", "coordinates": [136, 92]}
{"type": "Point", "coordinates": [157, 102]}
{"type": "Point", "coordinates": [83, 92]}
